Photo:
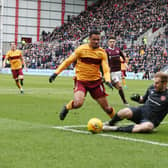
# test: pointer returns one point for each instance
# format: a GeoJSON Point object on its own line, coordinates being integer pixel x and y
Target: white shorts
{"type": "Point", "coordinates": [116, 76]}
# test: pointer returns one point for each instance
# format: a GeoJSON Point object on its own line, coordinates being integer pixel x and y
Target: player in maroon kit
{"type": "Point", "coordinates": [114, 54]}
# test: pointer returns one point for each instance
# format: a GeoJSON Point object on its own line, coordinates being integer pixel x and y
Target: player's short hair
{"type": "Point", "coordinates": [111, 38]}
{"type": "Point", "coordinates": [162, 75]}
{"type": "Point", "coordinates": [94, 32]}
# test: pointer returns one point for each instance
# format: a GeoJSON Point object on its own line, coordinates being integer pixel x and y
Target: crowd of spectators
{"type": "Point", "coordinates": [49, 56]}
{"type": "Point", "coordinates": [46, 55]}
{"type": "Point", "coordinates": [151, 58]}
{"type": "Point", "coordinates": [126, 19]}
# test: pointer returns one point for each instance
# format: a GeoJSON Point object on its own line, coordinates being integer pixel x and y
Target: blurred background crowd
{"type": "Point", "coordinates": [128, 20]}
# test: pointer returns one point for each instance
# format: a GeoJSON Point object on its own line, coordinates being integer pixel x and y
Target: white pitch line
{"type": "Point", "coordinates": [71, 129]}
{"type": "Point", "coordinates": [73, 126]}
{"type": "Point", "coordinates": [136, 140]}
{"type": "Point", "coordinates": [82, 126]}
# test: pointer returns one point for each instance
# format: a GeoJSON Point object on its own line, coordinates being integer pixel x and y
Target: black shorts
{"type": "Point", "coordinates": [139, 116]}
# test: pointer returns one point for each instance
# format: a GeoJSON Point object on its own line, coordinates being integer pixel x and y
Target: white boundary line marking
{"type": "Point", "coordinates": [72, 129]}
{"type": "Point", "coordinates": [80, 126]}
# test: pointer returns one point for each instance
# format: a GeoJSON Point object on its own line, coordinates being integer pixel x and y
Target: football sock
{"type": "Point", "coordinates": [69, 106]}
{"type": "Point", "coordinates": [123, 82]}
{"type": "Point", "coordinates": [121, 93]}
{"type": "Point", "coordinates": [114, 120]}
{"type": "Point", "coordinates": [128, 128]}
{"type": "Point", "coordinates": [21, 82]}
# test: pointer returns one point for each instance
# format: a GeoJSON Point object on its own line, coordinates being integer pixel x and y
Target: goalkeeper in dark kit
{"type": "Point", "coordinates": [147, 116]}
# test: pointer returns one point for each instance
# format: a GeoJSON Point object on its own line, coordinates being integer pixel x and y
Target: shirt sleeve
{"type": "Point", "coordinates": [67, 62]}
{"type": "Point", "coordinates": [145, 97]}
{"type": "Point", "coordinates": [106, 69]}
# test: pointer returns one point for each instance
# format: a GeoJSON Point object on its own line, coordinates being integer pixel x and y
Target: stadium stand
{"type": "Point", "coordinates": [127, 20]}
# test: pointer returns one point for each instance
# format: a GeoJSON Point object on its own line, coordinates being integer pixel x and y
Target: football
{"type": "Point", "coordinates": [95, 125]}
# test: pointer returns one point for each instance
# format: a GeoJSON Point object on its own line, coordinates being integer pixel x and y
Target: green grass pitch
{"type": "Point", "coordinates": [30, 138]}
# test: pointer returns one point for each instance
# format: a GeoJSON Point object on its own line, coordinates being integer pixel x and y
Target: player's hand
{"type": "Point", "coordinates": [135, 97]}
{"type": "Point", "coordinates": [109, 84]}
{"type": "Point", "coordinates": [52, 77]}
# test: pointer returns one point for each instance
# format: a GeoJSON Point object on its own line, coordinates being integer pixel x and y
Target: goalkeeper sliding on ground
{"type": "Point", "coordinates": [147, 116]}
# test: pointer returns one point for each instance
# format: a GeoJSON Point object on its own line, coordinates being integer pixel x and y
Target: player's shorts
{"type": "Point", "coordinates": [116, 76]}
{"type": "Point", "coordinates": [17, 74]}
{"type": "Point", "coordinates": [95, 88]}
{"type": "Point", "coordinates": [123, 73]}
{"type": "Point", "coordinates": [139, 116]}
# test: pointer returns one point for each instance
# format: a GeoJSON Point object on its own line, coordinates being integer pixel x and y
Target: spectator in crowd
{"type": "Point", "coordinates": [126, 19]}
{"type": "Point", "coordinates": [146, 74]}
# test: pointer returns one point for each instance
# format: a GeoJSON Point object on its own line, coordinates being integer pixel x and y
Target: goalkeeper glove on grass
{"type": "Point", "coordinates": [52, 77]}
{"type": "Point", "coordinates": [135, 97]}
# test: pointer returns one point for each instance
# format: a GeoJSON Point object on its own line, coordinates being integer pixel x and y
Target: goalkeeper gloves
{"type": "Point", "coordinates": [109, 84]}
{"type": "Point", "coordinates": [52, 77]}
{"type": "Point", "coordinates": [135, 97]}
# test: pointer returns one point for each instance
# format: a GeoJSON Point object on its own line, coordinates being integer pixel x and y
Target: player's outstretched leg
{"type": "Point", "coordinates": [65, 110]}
{"type": "Point", "coordinates": [128, 128]}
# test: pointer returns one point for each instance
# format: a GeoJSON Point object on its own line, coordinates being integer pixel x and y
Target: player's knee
{"type": "Point", "coordinates": [118, 86]}
{"type": "Point", "coordinates": [144, 127]}
{"type": "Point", "coordinates": [17, 81]}
{"type": "Point", "coordinates": [125, 113]}
{"type": "Point", "coordinates": [148, 127]}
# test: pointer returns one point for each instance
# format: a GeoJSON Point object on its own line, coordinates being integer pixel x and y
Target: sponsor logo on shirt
{"type": "Point", "coordinates": [163, 98]}
{"type": "Point", "coordinates": [117, 52]}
